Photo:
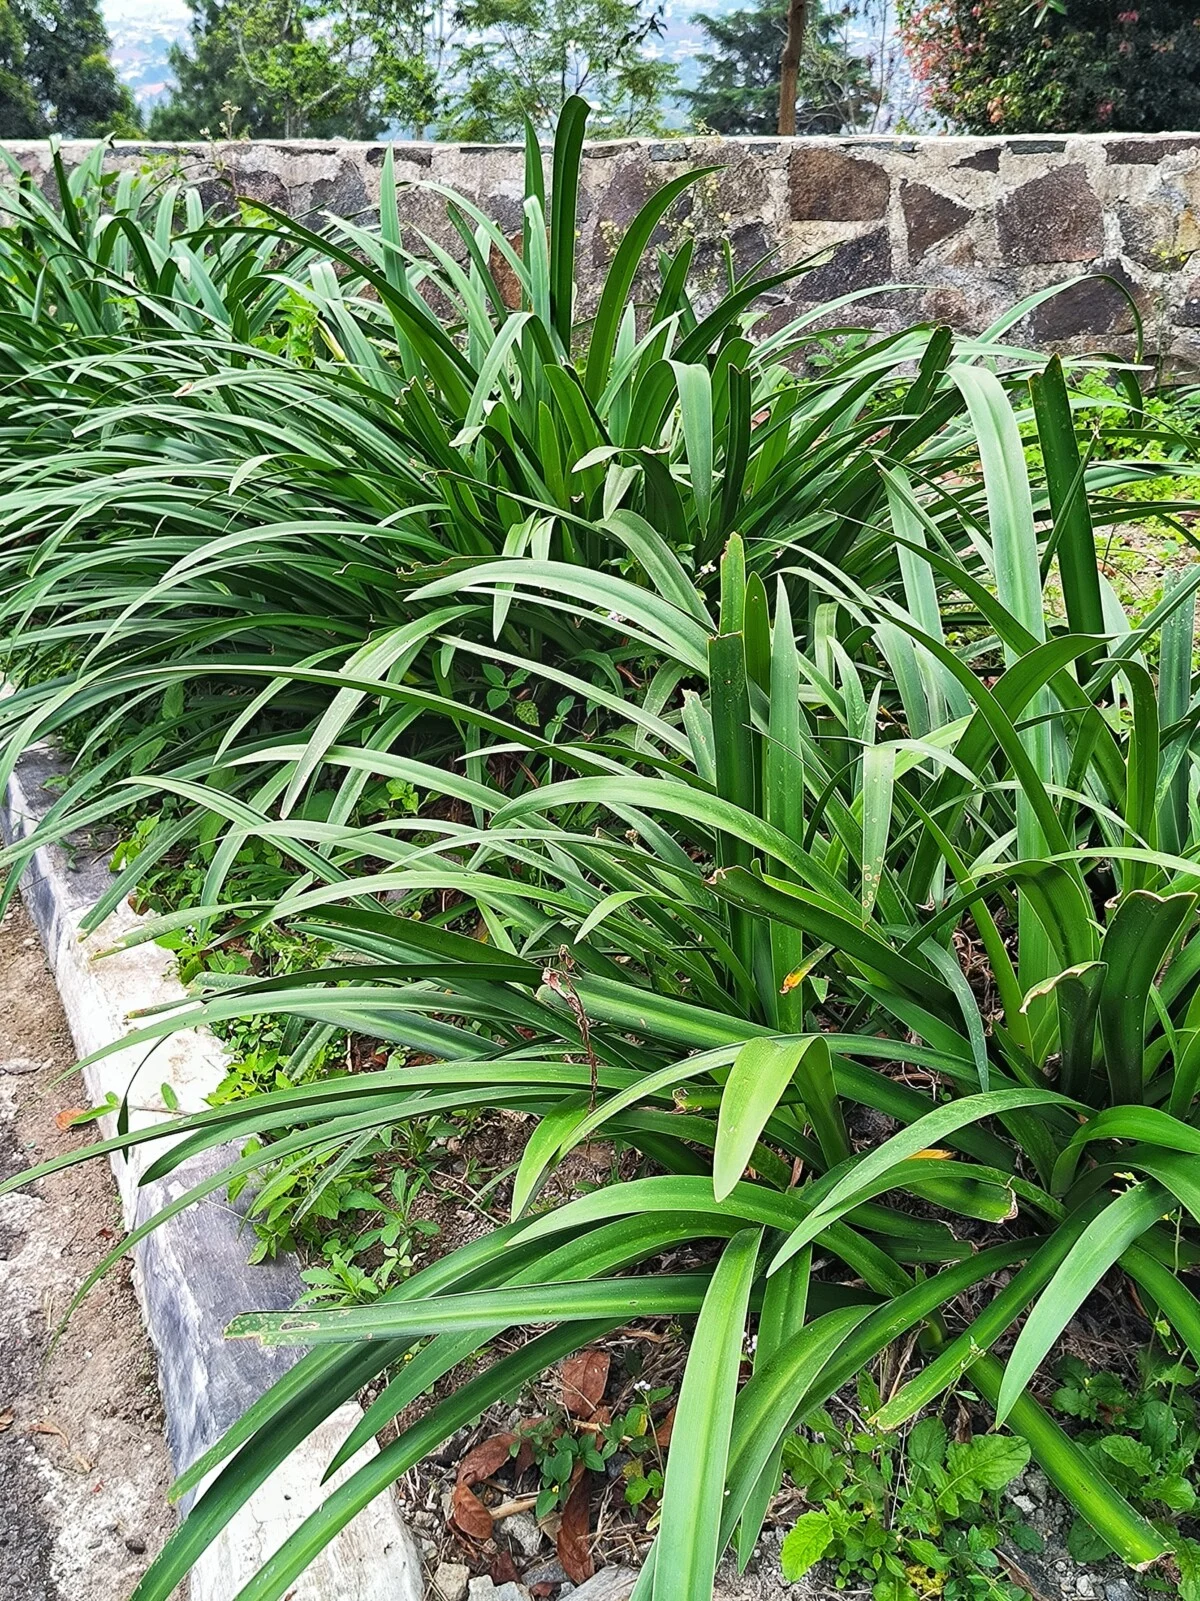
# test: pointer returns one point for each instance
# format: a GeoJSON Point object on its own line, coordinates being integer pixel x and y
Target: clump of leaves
{"type": "Point", "coordinates": [914, 1517]}
{"type": "Point", "coordinates": [1145, 1437]}
{"type": "Point", "coordinates": [561, 1444]}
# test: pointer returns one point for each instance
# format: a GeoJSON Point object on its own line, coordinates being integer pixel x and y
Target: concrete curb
{"type": "Point", "coordinates": [191, 1274]}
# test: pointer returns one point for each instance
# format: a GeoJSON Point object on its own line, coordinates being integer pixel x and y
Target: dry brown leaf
{"type": "Point", "coordinates": [574, 1534]}
{"type": "Point", "coordinates": [662, 1434]}
{"type": "Point", "coordinates": [68, 1117]}
{"type": "Point", "coordinates": [468, 1513]}
{"type": "Point", "coordinates": [1019, 1576]}
{"type": "Point", "coordinates": [503, 1569]}
{"type": "Point", "coordinates": [584, 1377]}
{"type": "Point", "coordinates": [486, 1458]}
{"type": "Point", "coordinates": [46, 1427]}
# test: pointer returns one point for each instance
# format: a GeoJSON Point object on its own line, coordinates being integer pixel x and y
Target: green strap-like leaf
{"type": "Point", "coordinates": [1098, 1247]}
{"type": "Point", "coordinates": [1142, 931]}
{"type": "Point", "coordinates": [761, 1072]}
{"type": "Point", "coordinates": [693, 1494]}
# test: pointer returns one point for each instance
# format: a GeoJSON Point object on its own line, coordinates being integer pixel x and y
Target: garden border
{"type": "Point", "coordinates": [191, 1275]}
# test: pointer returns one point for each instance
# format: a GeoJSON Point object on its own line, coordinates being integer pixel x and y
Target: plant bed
{"type": "Point", "coordinates": [711, 742]}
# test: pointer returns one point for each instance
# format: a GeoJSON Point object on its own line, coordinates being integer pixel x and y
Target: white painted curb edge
{"type": "Point", "coordinates": [191, 1274]}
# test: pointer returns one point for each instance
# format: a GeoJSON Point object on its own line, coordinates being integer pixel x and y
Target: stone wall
{"type": "Point", "coordinates": [968, 226]}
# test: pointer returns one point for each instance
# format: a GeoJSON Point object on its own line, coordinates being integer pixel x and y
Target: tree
{"type": "Point", "coordinates": [55, 73]}
{"type": "Point", "coordinates": [524, 58]}
{"type": "Point", "coordinates": [739, 90]}
{"type": "Point", "coordinates": [1085, 66]}
{"type": "Point", "coordinates": [295, 69]}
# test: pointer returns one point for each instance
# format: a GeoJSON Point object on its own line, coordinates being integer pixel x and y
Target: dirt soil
{"type": "Point", "coordinates": [83, 1463]}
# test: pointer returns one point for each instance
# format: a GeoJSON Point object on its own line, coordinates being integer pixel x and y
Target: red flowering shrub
{"type": "Point", "coordinates": [988, 66]}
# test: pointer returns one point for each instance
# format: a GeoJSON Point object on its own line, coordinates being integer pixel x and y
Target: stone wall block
{"type": "Point", "coordinates": [1054, 218]}
{"type": "Point", "coordinates": [929, 217]}
{"type": "Point", "coordinates": [828, 186]}
{"type": "Point", "coordinates": [863, 262]}
{"type": "Point", "coordinates": [1162, 235]}
{"type": "Point", "coordinates": [1093, 306]}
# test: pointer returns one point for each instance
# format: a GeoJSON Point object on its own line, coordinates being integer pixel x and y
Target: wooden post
{"type": "Point", "coordinates": [793, 47]}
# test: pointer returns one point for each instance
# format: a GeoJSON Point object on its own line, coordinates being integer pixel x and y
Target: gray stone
{"type": "Point", "coordinates": [551, 1572]}
{"type": "Point", "coordinates": [259, 183]}
{"type": "Point", "coordinates": [1037, 1485]}
{"type": "Point", "coordinates": [344, 195]}
{"type": "Point", "coordinates": [1160, 235]}
{"type": "Point", "coordinates": [487, 1590]}
{"type": "Point", "coordinates": [23, 1064]}
{"type": "Point", "coordinates": [1146, 151]}
{"type": "Point", "coordinates": [827, 186]}
{"type": "Point", "coordinates": [1037, 147]}
{"type": "Point", "coordinates": [610, 1584]}
{"type": "Point", "coordinates": [987, 160]}
{"type": "Point", "coordinates": [1053, 218]}
{"type": "Point", "coordinates": [1094, 306]}
{"type": "Point", "coordinates": [522, 1529]}
{"type": "Point", "coordinates": [450, 1581]}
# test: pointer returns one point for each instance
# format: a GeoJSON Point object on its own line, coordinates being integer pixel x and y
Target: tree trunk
{"type": "Point", "coordinates": [793, 47]}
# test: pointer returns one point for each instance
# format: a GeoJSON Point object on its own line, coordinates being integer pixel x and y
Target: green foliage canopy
{"type": "Point", "coordinates": [738, 91]}
{"type": "Point", "coordinates": [1089, 67]}
{"type": "Point", "coordinates": [55, 73]}
{"type": "Point", "coordinates": [526, 58]}
{"type": "Point", "coordinates": [304, 69]}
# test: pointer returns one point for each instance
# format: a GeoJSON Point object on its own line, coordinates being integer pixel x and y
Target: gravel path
{"type": "Point", "coordinates": [83, 1463]}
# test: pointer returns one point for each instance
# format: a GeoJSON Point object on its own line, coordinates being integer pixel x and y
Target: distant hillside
{"type": "Point", "coordinates": [142, 32]}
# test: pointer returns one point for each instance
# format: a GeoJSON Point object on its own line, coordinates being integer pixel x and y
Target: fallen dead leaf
{"type": "Point", "coordinates": [486, 1458]}
{"type": "Point", "coordinates": [574, 1534]}
{"type": "Point", "coordinates": [584, 1377]}
{"type": "Point", "coordinates": [662, 1434]}
{"type": "Point", "coordinates": [46, 1427]}
{"type": "Point", "coordinates": [504, 275]}
{"type": "Point", "coordinates": [468, 1513]}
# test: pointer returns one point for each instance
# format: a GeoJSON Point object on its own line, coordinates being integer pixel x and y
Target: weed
{"type": "Point", "coordinates": [561, 1443]}
{"type": "Point", "coordinates": [920, 1517]}
{"type": "Point", "coordinates": [1144, 1437]}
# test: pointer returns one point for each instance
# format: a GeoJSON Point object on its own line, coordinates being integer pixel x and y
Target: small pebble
{"type": "Point", "coordinates": [136, 1544]}
{"type": "Point", "coordinates": [1038, 1486]}
{"type": "Point", "coordinates": [551, 1572]}
{"type": "Point", "coordinates": [450, 1581]}
{"type": "Point", "coordinates": [522, 1529]}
